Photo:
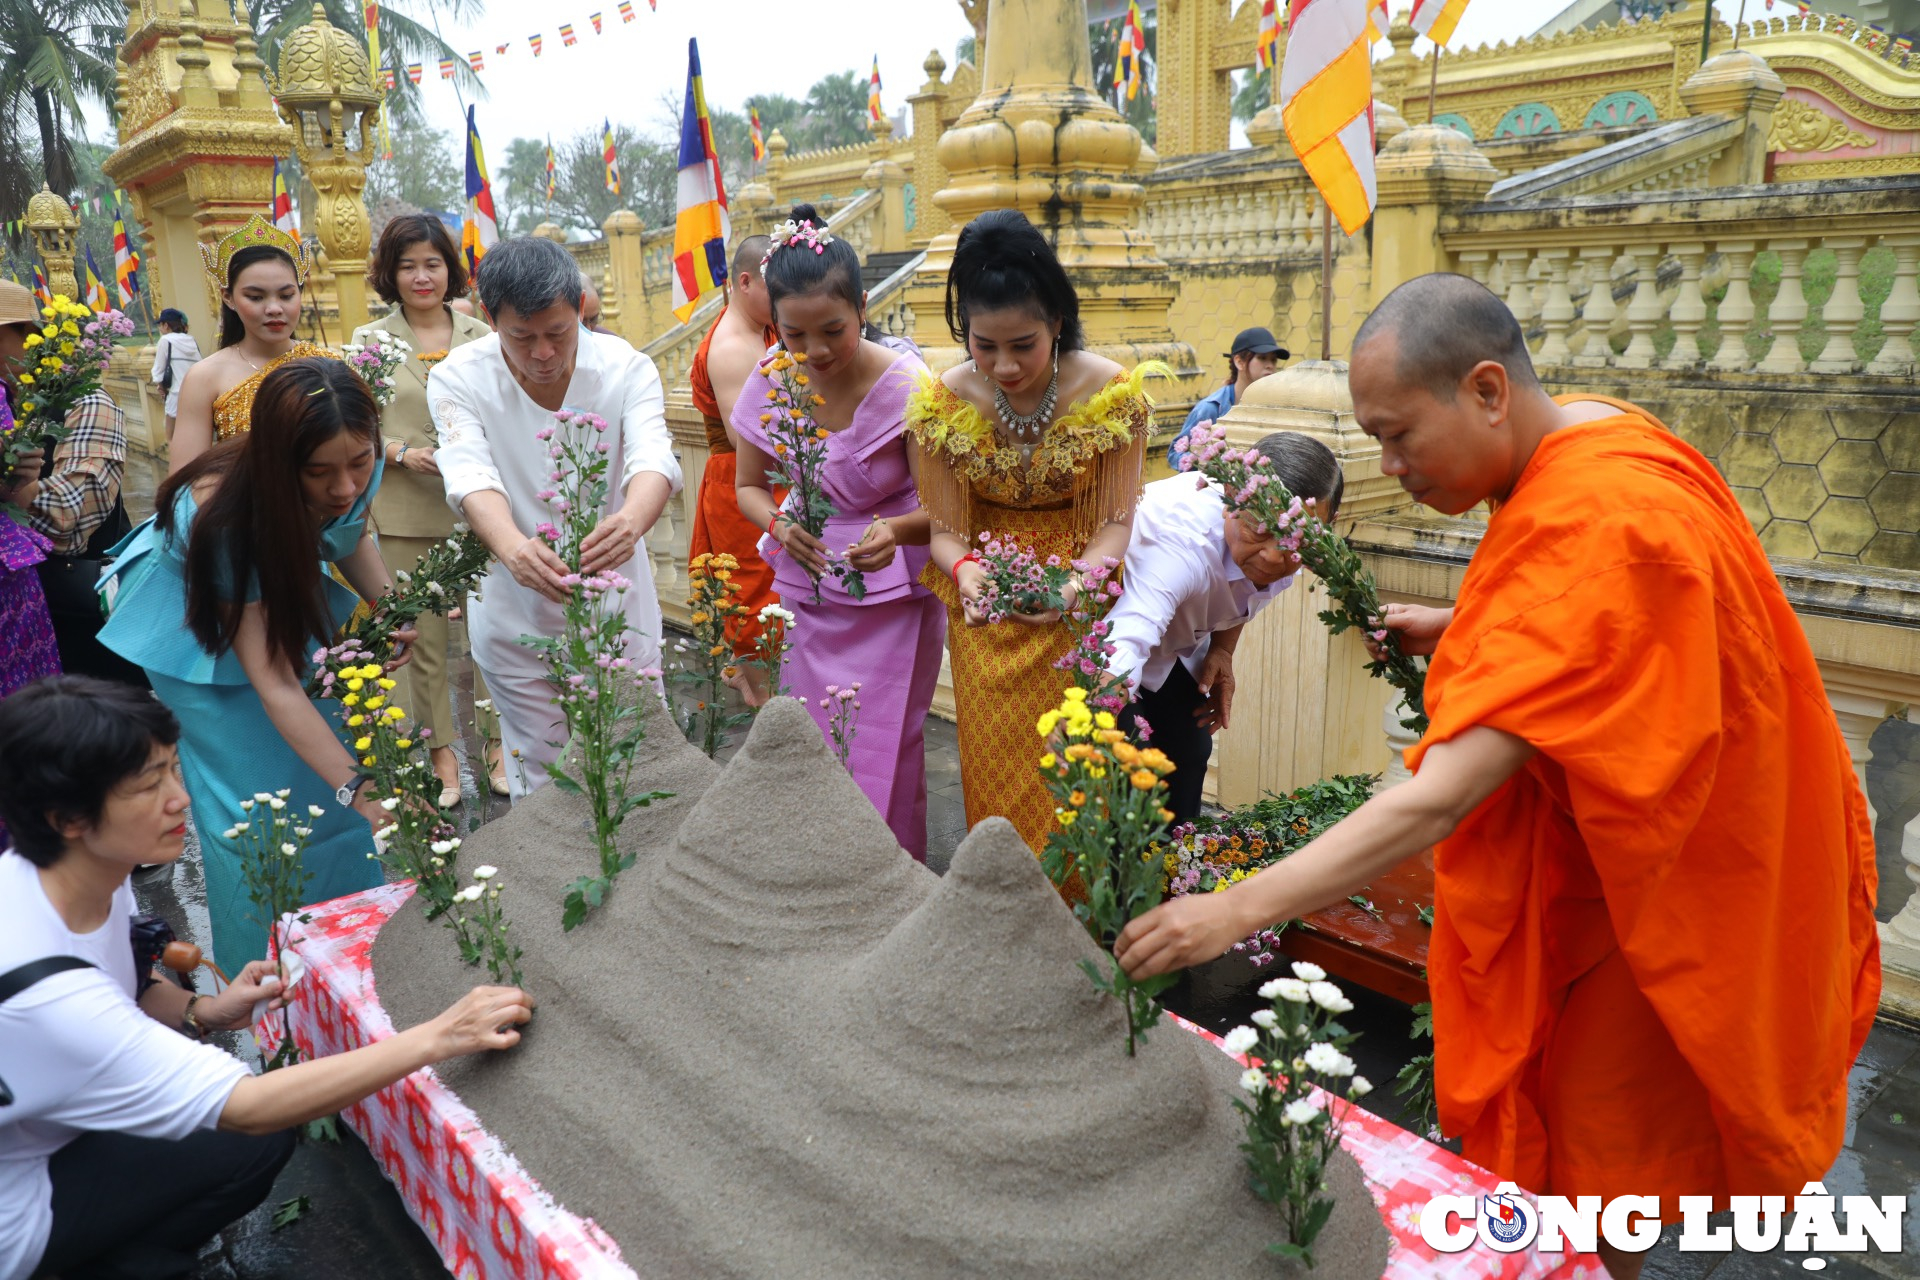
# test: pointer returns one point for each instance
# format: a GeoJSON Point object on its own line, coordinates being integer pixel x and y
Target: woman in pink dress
{"type": "Point", "coordinates": [889, 640]}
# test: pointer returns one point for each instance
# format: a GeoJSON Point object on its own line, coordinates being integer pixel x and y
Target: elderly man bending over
{"type": "Point", "coordinates": [489, 399]}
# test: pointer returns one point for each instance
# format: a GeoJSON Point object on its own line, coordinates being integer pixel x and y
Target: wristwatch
{"type": "Point", "coordinates": [351, 786]}
{"type": "Point", "coordinates": [189, 1021]}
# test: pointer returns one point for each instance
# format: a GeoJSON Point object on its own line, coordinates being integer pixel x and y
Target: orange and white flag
{"type": "Point", "coordinates": [1377, 20]}
{"type": "Point", "coordinates": [1326, 103]}
{"type": "Point", "coordinates": [1436, 19]}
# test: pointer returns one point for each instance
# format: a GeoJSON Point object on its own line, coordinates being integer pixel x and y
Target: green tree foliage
{"type": "Point", "coordinates": [55, 55]}
{"type": "Point", "coordinates": [427, 171]}
{"type": "Point", "coordinates": [1252, 93]}
{"type": "Point", "coordinates": [834, 113]}
{"type": "Point", "coordinates": [649, 172]}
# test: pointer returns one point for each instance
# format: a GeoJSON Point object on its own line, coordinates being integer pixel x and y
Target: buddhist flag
{"type": "Point", "coordinates": [282, 206]}
{"type": "Point", "coordinates": [1377, 20]}
{"type": "Point", "coordinates": [535, 42]}
{"type": "Point", "coordinates": [501, 49]}
{"type": "Point", "coordinates": [550, 169]}
{"type": "Point", "coordinates": [1269, 37]}
{"type": "Point", "coordinates": [626, 11]}
{"type": "Point", "coordinates": [415, 71]}
{"type": "Point", "coordinates": [126, 263]}
{"type": "Point", "coordinates": [873, 92]}
{"type": "Point", "coordinates": [387, 80]}
{"type": "Point", "coordinates": [1129, 68]}
{"type": "Point", "coordinates": [759, 140]}
{"type": "Point", "coordinates": [477, 62]}
{"type": "Point", "coordinates": [609, 156]}
{"type": "Point", "coordinates": [1436, 19]}
{"type": "Point", "coordinates": [96, 288]}
{"type": "Point", "coordinates": [1326, 103]}
{"type": "Point", "coordinates": [481, 230]}
{"type": "Point", "coordinates": [566, 35]}
{"type": "Point", "coordinates": [594, 18]}
{"type": "Point", "coordinates": [40, 287]}
{"type": "Point", "coordinates": [446, 68]}
{"type": "Point", "coordinates": [700, 231]}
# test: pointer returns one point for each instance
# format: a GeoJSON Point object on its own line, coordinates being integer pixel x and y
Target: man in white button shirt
{"type": "Point", "coordinates": [489, 399]}
{"type": "Point", "coordinates": [1194, 575]}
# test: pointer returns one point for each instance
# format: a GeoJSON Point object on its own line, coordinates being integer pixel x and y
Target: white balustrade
{"type": "Point", "coordinates": [1789, 310]}
{"type": "Point", "coordinates": [1736, 308]}
{"type": "Point", "coordinates": [1556, 312]}
{"type": "Point", "coordinates": [1901, 311]}
{"type": "Point", "coordinates": [1689, 309]}
{"type": "Point", "coordinates": [1644, 311]}
{"type": "Point", "coordinates": [1844, 310]}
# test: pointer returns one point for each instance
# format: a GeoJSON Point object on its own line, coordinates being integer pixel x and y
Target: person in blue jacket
{"type": "Point", "coordinates": [1255, 355]}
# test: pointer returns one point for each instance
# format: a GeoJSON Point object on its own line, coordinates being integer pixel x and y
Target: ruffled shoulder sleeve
{"type": "Point", "coordinates": [1104, 440]}
{"type": "Point", "coordinates": [950, 440]}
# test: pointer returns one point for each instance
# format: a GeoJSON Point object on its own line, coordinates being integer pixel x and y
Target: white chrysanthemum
{"type": "Point", "coordinates": [386, 833]}
{"type": "Point", "coordinates": [303, 832]}
{"type": "Point", "coordinates": [1300, 1112]}
{"type": "Point", "coordinates": [1328, 1061]}
{"type": "Point", "coordinates": [1360, 1087]}
{"type": "Point", "coordinates": [1240, 1039]}
{"type": "Point", "coordinates": [289, 849]}
{"type": "Point", "coordinates": [1329, 997]}
{"type": "Point", "coordinates": [276, 804]}
{"type": "Point", "coordinates": [390, 803]}
{"type": "Point", "coordinates": [1308, 972]}
{"type": "Point", "coordinates": [1290, 989]}
{"type": "Point", "coordinates": [485, 873]}
{"type": "Point", "coordinates": [315, 811]}
{"type": "Point", "coordinates": [442, 847]}
{"type": "Point", "coordinates": [231, 833]}
{"type": "Point", "coordinates": [1253, 1080]}
{"type": "Point", "coordinates": [1264, 1019]}
{"type": "Point", "coordinates": [284, 792]}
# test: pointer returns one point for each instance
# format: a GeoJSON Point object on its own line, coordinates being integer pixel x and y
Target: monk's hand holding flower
{"type": "Point", "coordinates": [611, 543]}
{"type": "Point", "coordinates": [808, 550]}
{"type": "Point", "coordinates": [1418, 626]}
{"type": "Point", "coordinates": [876, 547]}
{"type": "Point", "coordinates": [1180, 933]}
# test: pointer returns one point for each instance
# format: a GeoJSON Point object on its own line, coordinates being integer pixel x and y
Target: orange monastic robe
{"type": "Point", "coordinates": [718, 526]}
{"type": "Point", "coordinates": [1654, 956]}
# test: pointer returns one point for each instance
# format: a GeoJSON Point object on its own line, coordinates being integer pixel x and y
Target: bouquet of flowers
{"type": "Point", "coordinates": [67, 356]}
{"type": "Point", "coordinates": [800, 451]}
{"type": "Point", "coordinates": [1252, 489]}
{"type": "Point", "coordinates": [1109, 813]}
{"type": "Point", "coordinates": [1295, 1045]}
{"type": "Point", "coordinates": [438, 581]}
{"type": "Point", "coordinates": [713, 596]}
{"type": "Point", "coordinates": [1018, 580]}
{"type": "Point", "coordinates": [587, 662]}
{"type": "Point", "coordinates": [376, 361]}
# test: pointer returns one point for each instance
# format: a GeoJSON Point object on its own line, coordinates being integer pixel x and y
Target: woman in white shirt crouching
{"type": "Point", "coordinates": [124, 1143]}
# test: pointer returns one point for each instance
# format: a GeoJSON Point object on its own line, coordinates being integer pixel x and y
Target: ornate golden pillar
{"type": "Point", "coordinates": [625, 283]}
{"type": "Point", "coordinates": [1040, 139]}
{"type": "Point", "coordinates": [929, 219]}
{"type": "Point", "coordinates": [1194, 97]}
{"type": "Point", "coordinates": [53, 226]}
{"type": "Point", "coordinates": [324, 89]}
{"type": "Point", "coordinates": [887, 177]}
{"type": "Point", "coordinates": [197, 142]}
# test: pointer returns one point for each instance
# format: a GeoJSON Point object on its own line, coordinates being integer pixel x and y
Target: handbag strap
{"type": "Point", "coordinates": [14, 981]}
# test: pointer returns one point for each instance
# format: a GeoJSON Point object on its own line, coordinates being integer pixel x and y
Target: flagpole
{"type": "Point", "coordinates": [1433, 83]}
{"type": "Point", "coordinates": [1326, 279]}
{"type": "Point", "coordinates": [1738, 23]}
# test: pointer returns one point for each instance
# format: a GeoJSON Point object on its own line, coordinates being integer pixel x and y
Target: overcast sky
{"type": "Point", "coordinates": [746, 47]}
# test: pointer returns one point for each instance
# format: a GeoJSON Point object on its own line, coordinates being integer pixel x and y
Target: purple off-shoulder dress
{"type": "Point", "coordinates": [890, 641]}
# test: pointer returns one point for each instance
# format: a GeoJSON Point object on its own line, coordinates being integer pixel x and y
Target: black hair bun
{"type": "Point", "coordinates": [807, 213]}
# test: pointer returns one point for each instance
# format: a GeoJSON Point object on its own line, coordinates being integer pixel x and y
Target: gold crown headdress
{"type": "Point", "coordinates": [257, 231]}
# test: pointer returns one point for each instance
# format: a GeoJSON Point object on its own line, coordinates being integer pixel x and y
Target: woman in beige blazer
{"type": "Point", "coordinates": [417, 270]}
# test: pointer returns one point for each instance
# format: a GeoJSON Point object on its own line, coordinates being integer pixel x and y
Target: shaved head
{"type": "Point", "coordinates": [1445, 325]}
{"type": "Point", "coordinates": [746, 257]}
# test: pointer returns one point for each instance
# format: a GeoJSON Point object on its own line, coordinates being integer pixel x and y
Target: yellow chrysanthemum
{"type": "Point", "coordinates": [1104, 719]}
{"type": "Point", "coordinates": [1143, 779]}
{"type": "Point", "coordinates": [375, 703]}
{"type": "Point", "coordinates": [356, 684]}
{"type": "Point", "coordinates": [404, 743]}
{"type": "Point", "coordinates": [363, 744]}
{"type": "Point", "coordinates": [351, 699]}
{"type": "Point", "coordinates": [385, 683]}
{"type": "Point", "coordinates": [1048, 721]}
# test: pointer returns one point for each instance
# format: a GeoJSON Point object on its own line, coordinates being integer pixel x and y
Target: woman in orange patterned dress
{"type": "Point", "coordinates": [259, 270]}
{"type": "Point", "coordinates": [1033, 440]}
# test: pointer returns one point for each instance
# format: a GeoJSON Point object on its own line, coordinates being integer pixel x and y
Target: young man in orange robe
{"type": "Point", "coordinates": [1654, 956]}
{"type": "Point", "coordinates": [726, 358]}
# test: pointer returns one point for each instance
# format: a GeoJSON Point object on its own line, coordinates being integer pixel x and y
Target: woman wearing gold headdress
{"type": "Point", "coordinates": [993, 454]}
{"type": "Point", "coordinates": [259, 270]}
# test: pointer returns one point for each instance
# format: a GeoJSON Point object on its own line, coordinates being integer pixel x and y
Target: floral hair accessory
{"type": "Point", "coordinates": [790, 233]}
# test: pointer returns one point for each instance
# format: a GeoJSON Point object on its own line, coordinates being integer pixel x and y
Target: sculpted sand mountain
{"type": "Point", "coordinates": [784, 1048]}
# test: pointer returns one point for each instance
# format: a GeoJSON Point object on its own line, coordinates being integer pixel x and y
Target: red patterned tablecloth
{"type": "Point", "coordinates": [490, 1220]}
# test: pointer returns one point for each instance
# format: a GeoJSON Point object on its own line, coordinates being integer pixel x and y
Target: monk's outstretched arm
{"type": "Point", "coordinates": [1454, 778]}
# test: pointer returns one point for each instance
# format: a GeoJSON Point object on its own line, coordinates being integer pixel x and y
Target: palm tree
{"type": "Point", "coordinates": [403, 40]}
{"type": "Point", "coordinates": [836, 113]}
{"type": "Point", "coordinates": [54, 55]}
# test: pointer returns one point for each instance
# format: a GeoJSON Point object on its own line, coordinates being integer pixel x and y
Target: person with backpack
{"type": "Point", "coordinates": [173, 355]}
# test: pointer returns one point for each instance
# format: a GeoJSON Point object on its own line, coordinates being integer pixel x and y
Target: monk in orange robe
{"type": "Point", "coordinates": [727, 356]}
{"type": "Point", "coordinates": [1654, 956]}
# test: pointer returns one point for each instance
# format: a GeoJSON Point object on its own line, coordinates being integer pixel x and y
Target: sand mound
{"type": "Point", "coordinates": [783, 1048]}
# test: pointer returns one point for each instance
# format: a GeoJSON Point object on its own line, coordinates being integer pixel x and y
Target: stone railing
{"type": "Point", "coordinates": [1672, 248]}
{"type": "Point", "coordinates": [829, 177]}
{"type": "Point", "coordinates": [1234, 205]}
{"type": "Point", "coordinates": [1758, 34]}
{"type": "Point", "coordinates": [887, 307]}
{"type": "Point", "coordinates": [1678, 154]}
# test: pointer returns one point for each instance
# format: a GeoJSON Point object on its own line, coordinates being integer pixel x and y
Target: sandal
{"type": "Point", "coordinates": [497, 769]}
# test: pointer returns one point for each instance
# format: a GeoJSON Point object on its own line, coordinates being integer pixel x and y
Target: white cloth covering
{"type": "Point", "coordinates": [1182, 586]}
{"type": "Point", "coordinates": [487, 426]}
{"type": "Point", "coordinates": [180, 351]}
{"type": "Point", "coordinates": [80, 1056]}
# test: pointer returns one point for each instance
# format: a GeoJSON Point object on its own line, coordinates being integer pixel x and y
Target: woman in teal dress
{"type": "Point", "coordinates": [268, 511]}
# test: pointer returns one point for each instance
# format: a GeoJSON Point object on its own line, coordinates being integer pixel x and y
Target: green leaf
{"type": "Point", "coordinates": [290, 1211]}
{"type": "Point", "coordinates": [564, 782]}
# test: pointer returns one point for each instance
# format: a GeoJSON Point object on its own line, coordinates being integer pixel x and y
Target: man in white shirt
{"type": "Point", "coordinates": [1195, 574]}
{"type": "Point", "coordinates": [489, 400]}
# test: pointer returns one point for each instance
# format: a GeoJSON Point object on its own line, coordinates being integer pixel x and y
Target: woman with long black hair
{"type": "Point", "coordinates": [221, 598]}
